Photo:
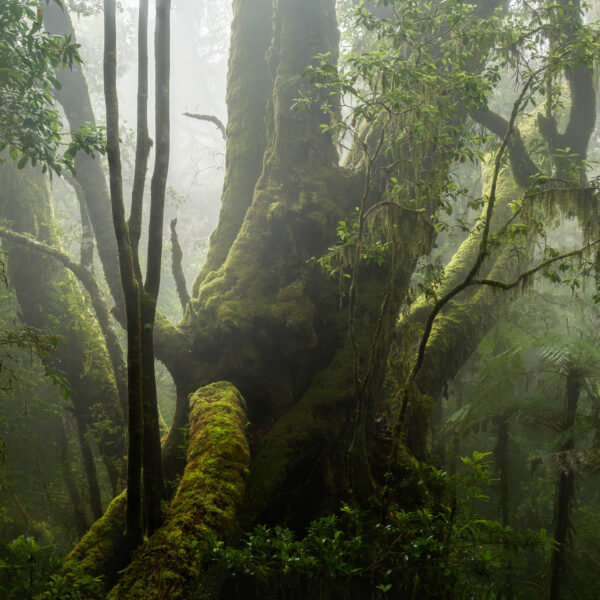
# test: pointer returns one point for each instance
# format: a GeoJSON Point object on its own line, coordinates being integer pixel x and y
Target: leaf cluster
{"type": "Point", "coordinates": [30, 126]}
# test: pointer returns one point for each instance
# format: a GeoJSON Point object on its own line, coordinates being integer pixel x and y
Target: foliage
{"type": "Point", "coordinates": [29, 339]}
{"type": "Point", "coordinates": [30, 128]}
{"type": "Point", "coordinates": [24, 568]}
{"type": "Point", "coordinates": [405, 94]}
{"type": "Point", "coordinates": [436, 550]}
{"type": "Point", "coordinates": [71, 583]}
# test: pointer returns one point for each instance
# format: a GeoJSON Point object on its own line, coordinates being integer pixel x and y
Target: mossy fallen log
{"type": "Point", "coordinates": [170, 564]}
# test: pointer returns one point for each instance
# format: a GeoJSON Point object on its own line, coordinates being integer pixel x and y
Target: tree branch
{"type": "Point", "coordinates": [526, 274]}
{"type": "Point", "coordinates": [523, 167]}
{"type": "Point", "coordinates": [210, 119]}
{"type": "Point", "coordinates": [91, 285]}
{"type": "Point", "coordinates": [178, 274]}
{"type": "Point", "coordinates": [483, 250]}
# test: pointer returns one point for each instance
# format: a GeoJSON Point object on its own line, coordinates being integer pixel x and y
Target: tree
{"type": "Point", "coordinates": [50, 299]}
{"type": "Point", "coordinates": [313, 367]}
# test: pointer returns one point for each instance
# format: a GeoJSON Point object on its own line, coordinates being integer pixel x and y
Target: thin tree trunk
{"type": "Point", "coordinates": [89, 465]}
{"type": "Point", "coordinates": [565, 486]}
{"type": "Point", "coordinates": [177, 269]}
{"type": "Point", "coordinates": [502, 460]}
{"type": "Point", "coordinates": [143, 143]}
{"type": "Point", "coordinates": [153, 482]}
{"type": "Point", "coordinates": [131, 290]}
{"type": "Point", "coordinates": [79, 517]}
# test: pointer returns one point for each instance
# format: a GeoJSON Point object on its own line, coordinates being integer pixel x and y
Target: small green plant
{"type": "Point", "coordinates": [24, 573]}
{"type": "Point", "coordinates": [71, 583]}
{"type": "Point", "coordinates": [439, 550]}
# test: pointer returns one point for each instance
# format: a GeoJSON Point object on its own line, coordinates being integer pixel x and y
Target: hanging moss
{"type": "Point", "coordinates": [569, 203]}
{"type": "Point", "coordinates": [170, 565]}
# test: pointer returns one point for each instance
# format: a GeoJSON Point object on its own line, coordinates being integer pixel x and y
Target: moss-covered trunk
{"type": "Point", "coordinates": [266, 319]}
{"type": "Point", "coordinates": [171, 564]}
{"type": "Point", "coordinates": [50, 300]}
{"type": "Point", "coordinates": [75, 100]}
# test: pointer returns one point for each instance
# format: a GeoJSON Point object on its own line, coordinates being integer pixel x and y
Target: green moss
{"type": "Point", "coordinates": [171, 563]}
{"type": "Point", "coordinates": [247, 100]}
{"type": "Point", "coordinates": [98, 551]}
{"type": "Point", "coordinates": [51, 300]}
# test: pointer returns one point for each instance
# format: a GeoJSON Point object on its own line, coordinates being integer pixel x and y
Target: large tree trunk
{"type": "Point", "coordinates": [208, 497]}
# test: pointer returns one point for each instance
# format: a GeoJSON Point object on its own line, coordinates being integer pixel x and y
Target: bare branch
{"type": "Point", "coordinates": [210, 119]}
{"type": "Point", "coordinates": [527, 274]}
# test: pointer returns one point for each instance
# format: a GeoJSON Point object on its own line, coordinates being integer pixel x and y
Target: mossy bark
{"type": "Point", "coordinates": [171, 563]}
{"type": "Point", "coordinates": [248, 89]}
{"type": "Point", "coordinates": [75, 100]}
{"type": "Point", "coordinates": [259, 320]}
{"type": "Point", "coordinates": [265, 319]}
{"type": "Point", "coordinates": [467, 319]}
{"type": "Point", "coordinates": [99, 553]}
{"type": "Point", "coordinates": [50, 300]}
{"type": "Point", "coordinates": [459, 327]}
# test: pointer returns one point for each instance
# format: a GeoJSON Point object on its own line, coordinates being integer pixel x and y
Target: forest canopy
{"type": "Point", "coordinates": [299, 299]}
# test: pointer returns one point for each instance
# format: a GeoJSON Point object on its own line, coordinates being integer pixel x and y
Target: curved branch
{"type": "Point", "coordinates": [483, 250]}
{"type": "Point", "coordinates": [527, 274]}
{"type": "Point", "coordinates": [522, 165]}
{"type": "Point", "coordinates": [210, 119]}
{"type": "Point", "coordinates": [88, 280]}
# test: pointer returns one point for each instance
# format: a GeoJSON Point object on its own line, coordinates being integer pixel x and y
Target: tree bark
{"type": "Point", "coordinates": [75, 100]}
{"type": "Point", "coordinates": [206, 503]}
{"type": "Point", "coordinates": [79, 517]}
{"type": "Point", "coordinates": [248, 85]}
{"type": "Point", "coordinates": [565, 485]}
{"type": "Point", "coordinates": [51, 301]}
{"type": "Point", "coordinates": [153, 482]}
{"type": "Point", "coordinates": [130, 286]}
